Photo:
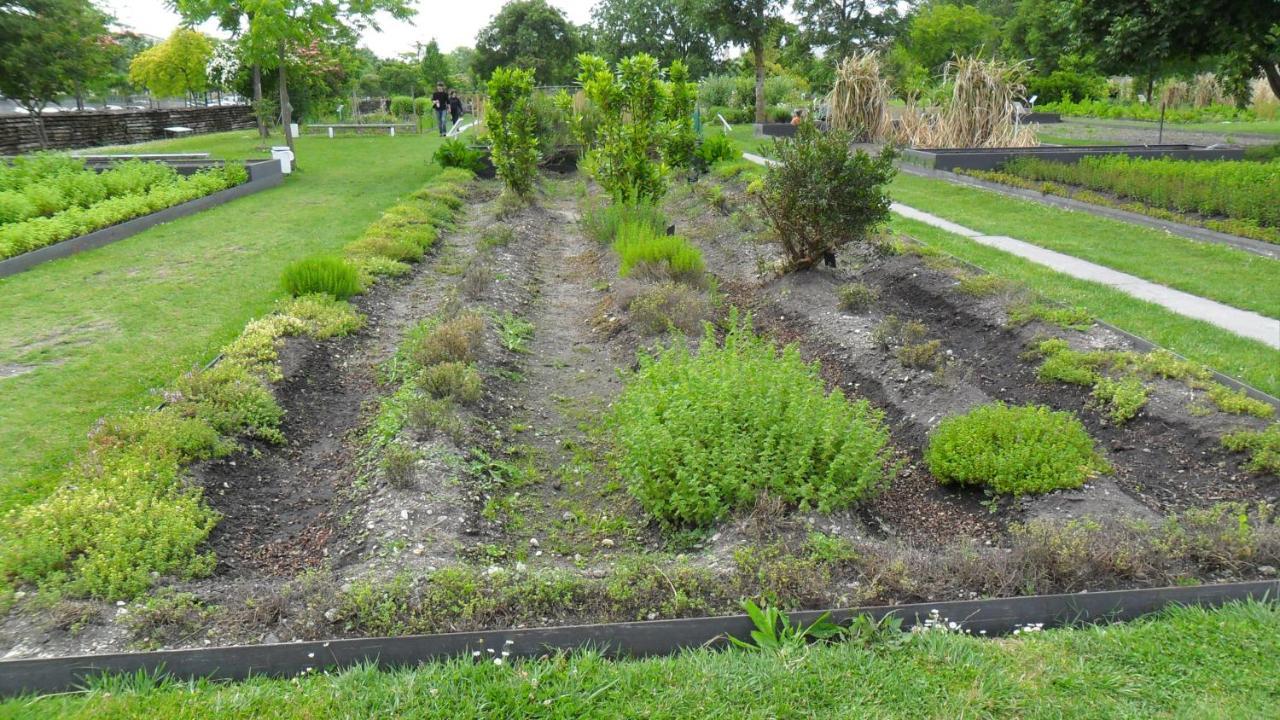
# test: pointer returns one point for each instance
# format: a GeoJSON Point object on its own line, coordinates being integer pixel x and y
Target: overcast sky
{"type": "Point", "coordinates": [452, 23]}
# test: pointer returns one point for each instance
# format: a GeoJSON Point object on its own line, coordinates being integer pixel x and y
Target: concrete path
{"type": "Point", "coordinates": [1241, 322]}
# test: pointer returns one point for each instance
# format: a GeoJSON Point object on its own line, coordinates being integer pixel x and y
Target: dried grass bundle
{"type": "Point", "coordinates": [1206, 90]}
{"type": "Point", "coordinates": [980, 112]}
{"type": "Point", "coordinates": [859, 98]}
{"type": "Point", "coordinates": [1174, 93]}
{"type": "Point", "coordinates": [1263, 102]}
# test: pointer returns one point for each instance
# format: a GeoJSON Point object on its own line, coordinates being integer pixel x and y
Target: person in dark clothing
{"type": "Point", "coordinates": [455, 106]}
{"type": "Point", "coordinates": [440, 103]}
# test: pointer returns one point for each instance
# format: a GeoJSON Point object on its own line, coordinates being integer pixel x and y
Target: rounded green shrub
{"type": "Point", "coordinates": [333, 276]}
{"type": "Point", "coordinates": [701, 434]}
{"type": "Point", "coordinates": [1016, 450]}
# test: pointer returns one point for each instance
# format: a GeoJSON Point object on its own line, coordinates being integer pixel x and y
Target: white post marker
{"type": "Point", "coordinates": [330, 132]}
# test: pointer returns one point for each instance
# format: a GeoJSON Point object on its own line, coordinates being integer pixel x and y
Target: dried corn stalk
{"type": "Point", "coordinates": [980, 112]}
{"type": "Point", "coordinates": [859, 98]}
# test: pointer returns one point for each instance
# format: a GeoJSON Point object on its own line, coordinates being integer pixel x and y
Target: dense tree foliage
{"type": "Point", "coordinates": [667, 30]}
{"type": "Point", "coordinates": [529, 34]}
{"type": "Point", "coordinates": [176, 67]}
{"type": "Point", "coordinates": [747, 23]}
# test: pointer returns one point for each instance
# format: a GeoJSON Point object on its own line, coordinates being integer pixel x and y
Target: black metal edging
{"type": "Point", "coordinates": [261, 177]}
{"type": "Point", "coordinates": [1190, 232]}
{"type": "Point", "coordinates": [635, 639]}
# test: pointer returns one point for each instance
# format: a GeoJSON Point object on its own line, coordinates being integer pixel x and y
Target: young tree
{"type": "Point", "coordinates": [1243, 34]}
{"type": "Point", "coordinates": [746, 22]}
{"type": "Point", "coordinates": [941, 31]}
{"type": "Point", "coordinates": [433, 66]}
{"type": "Point", "coordinates": [529, 34]}
{"type": "Point", "coordinates": [513, 127]}
{"type": "Point", "coordinates": [49, 48]}
{"type": "Point", "coordinates": [176, 66]}
{"type": "Point", "coordinates": [668, 30]}
{"type": "Point", "coordinates": [231, 17]}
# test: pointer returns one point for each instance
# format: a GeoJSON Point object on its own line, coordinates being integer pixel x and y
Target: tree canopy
{"type": "Point", "coordinates": [175, 67]}
{"type": "Point", "coordinates": [529, 34]}
{"type": "Point", "coordinates": [667, 30]}
{"type": "Point", "coordinates": [48, 48]}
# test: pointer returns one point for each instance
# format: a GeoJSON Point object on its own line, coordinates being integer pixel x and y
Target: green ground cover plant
{"type": "Point", "coordinates": [1263, 447]}
{"type": "Point", "coordinates": [699, 435]}
{"type": "Point", "coordinates": [1225, 661]}
{"type": "Point", "coordinates": [62, 216]}
{"type": "Point", "coordinates": [642, 252]}
{"type": "Point", "coordinates": [1014, 450]}
{"type": "Point", "coordinates": [821, 194]}
{"type": "Point", "coordinates": [321, 274]}
{"type": "Point", "coordinates": [1242, 191]}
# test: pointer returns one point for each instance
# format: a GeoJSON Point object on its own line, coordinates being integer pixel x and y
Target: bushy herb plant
{"type": "Point", "coordinates": [457, 153]}
{"type": "Point", "coordinates": [321, 274]}
{"type": "Point", "coordinates": [601, 220]}
{"type": "Point", "coordinates": [1015, 450]}
{"type": "Point", "coordinates": [821, 194]}
{"type": "Point", "coordinates": [513, 128]}
{"type": "Point", "coordinates": [699, 435]}
{"type": "Point", "coordinates": [646, 253]}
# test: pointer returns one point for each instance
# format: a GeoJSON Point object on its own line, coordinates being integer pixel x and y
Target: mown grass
{"type": "Point", "coordinates": [1230, 276]}
{"type": "Point", "coordinates": [96, 331]}
{"type": "Point", "coordinates": [1226, 352]}
{"type": "Point", "coordinates": [1185, 662]}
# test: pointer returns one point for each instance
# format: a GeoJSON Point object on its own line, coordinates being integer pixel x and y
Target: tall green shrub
{"type": "Point", "coordinates": [681, 140]}
{"type": "Point", "coordinates": [701, 434]}
{"type": "Point", "coordinates": [401, 106]}
{"type": "Point", "coordinates": [821, 194]}
{"type": "Point", "coordinates": [513, 126]}
{"type": "Point", "coordinates": [626, 157]}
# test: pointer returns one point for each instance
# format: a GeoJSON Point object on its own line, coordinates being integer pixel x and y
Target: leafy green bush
{"type": "Point", "coordinates": [821, 194]}
{"type": "Point", "coordinates": [856, 296]}
{"type": "Point", "coordinates": [700, 435]}
{"type": "Point", "coordinates": [330, 275]}
{"type": "Point", "coordinates": [456, 153]}
{"type": "Point", "coordinates": [1066, 85]}
{"type": "Point", "coordinates": [513, 128]}
{"type": "Point", "coordinates": [646, 253]}
{"type": "Point", "coordinates": [1013, 449]}
{"type": "Point", "coordinates": [1147, 111]}
{"type": "Point", "coordinates": [716, 147]}
{"type": "Point", "coordinates": [401, 106]}
{"type": "Point", "coordinates": [681, 141]}
{"type": "Point", "coordinates": [422, 106]}
{"type": "Point", "coordinates": [630, 134]}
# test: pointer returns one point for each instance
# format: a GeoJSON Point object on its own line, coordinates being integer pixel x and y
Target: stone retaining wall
{"type": "Point", "coordinates": [119, 127]}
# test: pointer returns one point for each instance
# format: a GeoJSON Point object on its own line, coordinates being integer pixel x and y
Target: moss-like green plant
{"type": "Point", "coordinates": [1263, 447]}
{"type": "Point", "coordinates": [700, 435]}
{"type": "Point", "coordinates": [1123, 397]}
{"type": "Point", "coordinates": [1013, 450]}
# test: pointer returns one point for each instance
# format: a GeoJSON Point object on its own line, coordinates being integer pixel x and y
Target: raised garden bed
{"type": "Point", "coordinates": [992, 158]}
{"type": "Point", "coordinates": [262, 174]}
{"type": "Point", "coordinates": [447, 468]}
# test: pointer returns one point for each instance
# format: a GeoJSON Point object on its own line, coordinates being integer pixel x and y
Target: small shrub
{"type": "Point", "coordinates": [398, 462]}
{"type": "Point", "coordinates": [631, 130]}
{"type": "Point", "coordinates": [455, 153]}
{"type": "Point", "coordinates": [496, 236]}
{"type": "Point", "coordinates": [717, 147]}
{"type": "Point", "coordinates": [983, 285]}
{"type": "Point", "coordinates": [1013, 450]}
{"type": "Point", "coordinates": [1124, 397]}
{"type": "Point", "coordinates": [602, 221]}
{"type": "Point", "coordinates": [514, 332]}
{"type": "Point", "coordinates": [700, 435]}
{"type": "Point", "coordinates": [857, 297]}
{"type": "Point", "coordinates": [426, 414]}
{"type": "Point", "coordinates": [477, 278]}
{"type": "Point", "coordinates": [668, 305]}
{"type": "Point", "coordinates": [333, 276]}
{"type": "Point", "coordinates": [455, 380]}
{"type": "Point", "coordinates": [401, 106]}
{"type": "Point", "coordinates": [1263, 447]}
{"type": "Point", "coordinates": [821, 195]}
{"type": "Point", "coordinates": [921, 354]}
{"type": "Point", "coordinates": [456, 340]}
{"type": "Point", "coordinates": [645, 253]}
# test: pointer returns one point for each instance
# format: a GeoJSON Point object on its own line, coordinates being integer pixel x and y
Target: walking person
{"type": "Point", "coordinates": [455, 106]}
{"type": "Point", "coordinates": [440, 103]}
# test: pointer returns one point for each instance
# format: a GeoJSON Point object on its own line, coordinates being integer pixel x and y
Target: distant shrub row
{"type": "Point", "coordinates": [1234, 189]}
{"type": "Point", "coordinates": [1146, 111]}
{"type": "Point", "coordinates": [72, 218]}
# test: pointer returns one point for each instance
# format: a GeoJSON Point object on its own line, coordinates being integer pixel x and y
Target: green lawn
{"type": "Point", "coordinates": [102, 328]}
{"type": "Point", "coordinates": [1247, 360]}
{"type": "Point", "coordinates": [1257, 127]}
{"type": "Point", "coordinates": [1187, 663]}
{"type": "Point", "coordinates": [1216, 272]}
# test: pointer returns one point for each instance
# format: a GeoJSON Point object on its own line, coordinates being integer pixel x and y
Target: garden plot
{"type": "Point", "coordinates": [457, 464]}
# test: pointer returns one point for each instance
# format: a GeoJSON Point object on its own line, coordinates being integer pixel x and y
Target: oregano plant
{"type": "Point", "coordinates": [513, 128]}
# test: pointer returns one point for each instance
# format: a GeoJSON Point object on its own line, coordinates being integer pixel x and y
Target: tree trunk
{"type": "Point", "coordinates": [286, 112]}
{"type": "Point", "coordinates": [1272, 71]}
{"type": "Point", "coordinates": [257, 100]}
{"type": "Point", "coordinates": [79, 96]}
{"type": "Point", "coordinates": [37, 115]}
{"type": "Point", "coordinates": [757, 50]}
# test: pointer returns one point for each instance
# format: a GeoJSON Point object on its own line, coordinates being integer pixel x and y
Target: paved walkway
{"type": "Point", "coordinates": [1241, 322]}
